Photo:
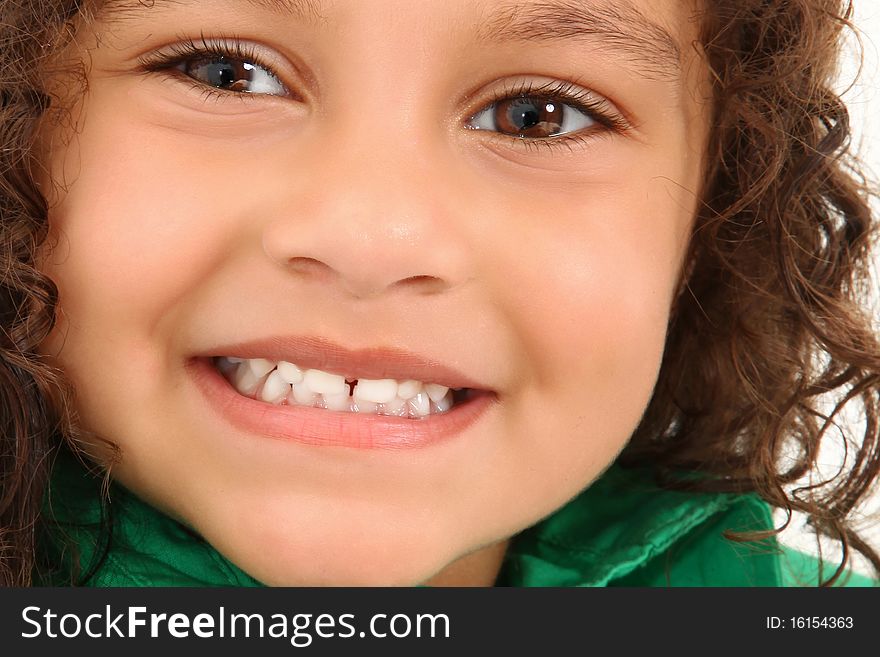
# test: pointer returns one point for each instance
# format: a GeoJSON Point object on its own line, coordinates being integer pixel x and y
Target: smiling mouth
{"type": "Point", "coordinates": [281, 383]}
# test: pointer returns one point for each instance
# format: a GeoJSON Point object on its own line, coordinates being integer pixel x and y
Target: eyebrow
{"type": "Point", "coordinates": [122, 9]}
{"type": "Point", "coordinates": [618, 24]}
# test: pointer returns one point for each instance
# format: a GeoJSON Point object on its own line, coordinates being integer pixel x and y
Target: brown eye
{"type": "Point", "coordinates": [231, 74]}
{"type": "Point", "coordinates": [531, 117]}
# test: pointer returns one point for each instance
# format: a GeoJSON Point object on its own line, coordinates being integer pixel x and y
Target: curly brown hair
{"type": "Point", "coordinates": [771, 321]}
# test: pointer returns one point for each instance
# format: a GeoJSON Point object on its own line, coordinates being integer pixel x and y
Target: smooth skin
{"type": "Point", "coordinates": [363, 207]}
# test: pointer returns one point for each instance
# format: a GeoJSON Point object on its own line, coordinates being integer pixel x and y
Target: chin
{"type": "Point", "coordinates": [350, 555]}
{"type": "Point", "coordinates": [348, 568]}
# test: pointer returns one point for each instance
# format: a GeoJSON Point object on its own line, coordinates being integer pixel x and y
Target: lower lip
{"type": "Point", "coordinates": [318, 426]}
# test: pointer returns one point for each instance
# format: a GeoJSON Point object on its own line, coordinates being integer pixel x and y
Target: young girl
{"type": "Point", "coordinates": [528, 292]}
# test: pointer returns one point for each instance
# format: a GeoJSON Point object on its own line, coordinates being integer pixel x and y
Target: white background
{"type": "Point", "coordinates": [863, 101]}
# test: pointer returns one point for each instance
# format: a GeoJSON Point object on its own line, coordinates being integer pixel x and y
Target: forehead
{"type": "Point", "coordinates": [649, 33]}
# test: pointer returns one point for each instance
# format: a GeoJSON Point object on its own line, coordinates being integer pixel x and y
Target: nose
{"type": "Point", "coordinates": [370, 219]}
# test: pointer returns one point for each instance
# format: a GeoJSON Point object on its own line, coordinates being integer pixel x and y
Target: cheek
{"type": "Point", "coordinates": [140, 220]}
{"type": "Point", "coordinates": [134, 229]}
{"type": "Point", "coordinates": [139, 227]}
{"type": "Point", "coordinates": [594, 294]}
{"type": "Point", "coordinates": [590, 302]}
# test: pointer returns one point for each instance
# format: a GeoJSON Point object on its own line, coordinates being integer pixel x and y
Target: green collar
{"type": "Point", "coordinates": [625, 531]}
{"type": "Point", "coordinates": [146, 547]}
{"type": "Point", "coordinates": [620, 531]}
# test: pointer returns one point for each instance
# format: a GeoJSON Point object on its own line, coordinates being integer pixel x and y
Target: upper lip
{"type": "Point", "coordinates": [309, 352]}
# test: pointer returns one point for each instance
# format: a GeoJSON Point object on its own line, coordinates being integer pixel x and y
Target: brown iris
{"type": "Point", "coordinates": [529, 117]}
{"type": "Point", "coordinates": [222, 73]}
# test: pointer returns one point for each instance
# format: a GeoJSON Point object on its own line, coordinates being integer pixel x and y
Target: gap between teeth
{"type": "Point", "coordinates": [284, 383]}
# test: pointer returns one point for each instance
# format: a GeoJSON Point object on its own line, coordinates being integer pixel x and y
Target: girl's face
{"type": "Point", "coordinates": [498, 195]}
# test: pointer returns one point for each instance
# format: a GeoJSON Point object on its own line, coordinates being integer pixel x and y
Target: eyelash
{"type": "Point", "coordinates": [586, 102]}
{"type": "Point", "coordinates": [206, 48]}
{"type": "Point", "coordinates": [610, 122]}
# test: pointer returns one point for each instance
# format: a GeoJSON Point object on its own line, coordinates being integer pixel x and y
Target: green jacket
{"type": "Point", "coordinates": [621, 531]}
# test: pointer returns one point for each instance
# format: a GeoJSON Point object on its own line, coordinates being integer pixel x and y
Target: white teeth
{"type": "Point", "coordinates": [443, 404]}
{"type": "Point", "coordinates": [409, 389]}
{"type": "Point", "coordinates": [260, 366]}
{"type": "Point", "coordinates": [324, 383]}
{"type": "Point", "coordinates": [396, 406]}
{"type": "Point", "coordinates": [340, 402]}
{"type": "Point", "coordinates": [360, 406]}
{"type": "Point", "coordinates": [245, 380]}
{"type": "Point", "coordinates": [436, 392]}
{"type": "Point", "coordinates": [420, 404]}
{"type": "Point", "coordinates": [289, 372]}
{"type": "Point", "coordinates": [276, 389]}
{"type": "Point", "coordinates": [379, 391]}
{"type": "Point", "coordinates": [302, 395]}
{"type": "Point", "coordinates": [259, 378]}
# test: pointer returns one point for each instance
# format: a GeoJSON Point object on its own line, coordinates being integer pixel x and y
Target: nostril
{"type": "Point", "coordinates": [423, 283]}
{"type": "Point", "coordinates": [310, 267]}
{"type": "Point", "coordinates": [319, 271]}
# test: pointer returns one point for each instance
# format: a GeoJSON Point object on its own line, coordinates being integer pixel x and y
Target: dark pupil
{"type": "Point", "coordinates": [530, 117]}
{"type": "Point", "coordinates": [221, 73]}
